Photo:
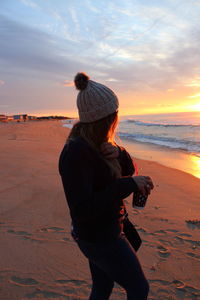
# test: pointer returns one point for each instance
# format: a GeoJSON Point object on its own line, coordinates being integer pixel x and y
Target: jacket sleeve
{"type": "Point", "coordinates": [126, 162]}
{"type": "Point", "coordinates": [84, 201]}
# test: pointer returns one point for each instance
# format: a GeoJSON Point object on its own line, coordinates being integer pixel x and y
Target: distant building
{"type": "Point", "coordinates": [18, 118]}
{"type": "Point", "coordinates": [9, 118]}
{"type": "Point", "coordinates": [25, 117]}
{"type": "Point", "coordinates": [3, 118]}
{"type": "Point", "coordinates": [32, 118]}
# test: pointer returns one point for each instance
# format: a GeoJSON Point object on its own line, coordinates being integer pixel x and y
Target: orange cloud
{"type": "Point", "coordinates": [194, 96]}
{"type": "Point", "coordinates": [67, 83]}
{"type": "Point", "coordinates": [194, 83]}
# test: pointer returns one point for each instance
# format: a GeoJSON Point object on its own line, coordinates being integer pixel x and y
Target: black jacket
{"type": "Point", "coordinates": [94, 196]}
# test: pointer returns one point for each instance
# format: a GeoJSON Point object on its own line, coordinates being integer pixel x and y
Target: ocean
{"type": "Point", "coordinates": [169, 139]}
{"type": "Point", "coordinates": [179, 131]}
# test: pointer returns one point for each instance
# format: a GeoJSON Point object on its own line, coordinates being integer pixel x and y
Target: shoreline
{"type": "Point", "coordinates": [172, 158]}
{"type": "Point", "coordinates": [169, 157]}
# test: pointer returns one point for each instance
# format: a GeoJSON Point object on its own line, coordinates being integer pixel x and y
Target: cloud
{"type": "Point", "coordinates": [29, 3]}
{"type": "Point", "coordinates": [90, 5]}
{"type": "Point", "coordinates": [138, 48]}
{"type": "Point", "coordinates": [194, 96]}
{"type": "Point", "coordinates": [67, 83]}
{"type": "Point", "coordinates": [133, 57]}
{"type": "Point", "coordinates": [111, 80]}
{"type": "Point", "coordinates": [26, 48]}
{"type": "Point", "coordinates": [4, 105]}
{"type": "Point", "coordinates": [74, 17]}
{"type": "Point", "coordinates": [148, 70]}
{"type": "Point", "coordinates": [195, 83]}
{"type": "Point", "coordinates": [2, 82]}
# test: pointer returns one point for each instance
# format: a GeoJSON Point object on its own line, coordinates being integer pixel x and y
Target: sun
{"type": "Point", "coordinates": [196, 106]}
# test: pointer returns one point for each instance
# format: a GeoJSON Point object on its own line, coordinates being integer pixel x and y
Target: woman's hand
{"type": "Point", "coordinates": [144, 184]}
{"type": "Point", "coordinates": [109, 150]}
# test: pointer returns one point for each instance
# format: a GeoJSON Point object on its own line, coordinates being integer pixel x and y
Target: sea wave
{"type": "Point", "coordinates": [141, 123]}
{"type": "Point", "coordinates": [189, 146]}
{"type": "Point", "coordinates": [68, 125]}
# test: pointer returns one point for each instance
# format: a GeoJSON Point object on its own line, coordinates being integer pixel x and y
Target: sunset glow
{"type": "Point", "coordinates": [196, 107]}
{"type": "Point", "coordinates": [146, 51]}
{"type": "Point", "coordinates": [195, 165]}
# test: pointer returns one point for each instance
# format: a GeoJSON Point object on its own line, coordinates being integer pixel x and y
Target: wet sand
{"type": "Point", "coordinates": [178, 159]}
{"type": "Point", "coordinates": [39, 259]}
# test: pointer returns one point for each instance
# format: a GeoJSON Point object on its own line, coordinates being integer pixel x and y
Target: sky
{"type": "Point", "coordinates": [146, 51]}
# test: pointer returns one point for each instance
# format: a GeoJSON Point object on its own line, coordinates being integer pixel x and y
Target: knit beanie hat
{"type": "Point", "coordinates": [95, 101]}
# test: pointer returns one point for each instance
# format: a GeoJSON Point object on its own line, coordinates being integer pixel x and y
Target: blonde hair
{"type": "Point", "coordinates": [96, 133]}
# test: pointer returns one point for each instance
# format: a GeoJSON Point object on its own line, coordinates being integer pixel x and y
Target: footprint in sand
{"type": "Point", "coordinates": [193, 224]}
{"type": "Point", "coordinates": [179, 239]}
{"type": "Point", "coordinates": [148, 243]}
{"type": "Point", "coordinates": [163, 252]}
{"type": "Point", "coordinates": [171, 230]}
{"type": "Point", "coordinates": [32, 239]}
{"type": "Point", "coordinates": [180, 293]}
{"type": "Point", "coordinates": [24, 235]}
{"type": "Point", "coordinates": [185, 234]}
{"type": "Point", "coordinates": [193, 291]}
{"type": "Point", "coordinates": [24, 281]}
{"type": "Point", "coordinates": [67, 239]}
{"type": "Point", "coordinates": [182, 289]}
{"type": "Point", "coordinates": [73, 285]}
{"type": "Point", "coordinates": [160, 281]}
{"type": "Point", "coordinates": [53, 229]}
{"type": "Point", "coordinates": [19, 232]}
{"type": "Point", "coordinates": [140, 229]}
{"type": "Point", "coordinates": [168, 243]}
{"type": "Point", "coordinates": [73, 281]}
{"type": "Point", "coordinates": [45, 294]}
{"type": "Point", "coordinates": [191, 254]}
{"type": "Point", "coordinates": [178, 284]}
{"type": "Point", "coordinates": [157, 219]}
{"type": "Point", "coordinates": [160, 232]}
{"type": "Point", "coordinates": [163, 220]}
{"type": "Point", "coordinates": [192, 242]}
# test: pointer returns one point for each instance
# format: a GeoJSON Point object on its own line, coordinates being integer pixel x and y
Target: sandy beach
{"type": "Point", "coordinates": [40, 260]}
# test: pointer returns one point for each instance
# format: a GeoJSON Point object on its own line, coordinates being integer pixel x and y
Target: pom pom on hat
{"type": "Point", "coordinates": [81, 81]}
{"type": "Point", "coordinates": [95, 101]}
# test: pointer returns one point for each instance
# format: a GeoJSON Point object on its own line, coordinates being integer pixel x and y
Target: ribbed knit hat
{"type": "Point", "coordinates": [95, 101]}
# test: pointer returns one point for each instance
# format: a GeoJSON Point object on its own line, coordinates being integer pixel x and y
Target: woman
{"type": "Point", "coordinates": [97, 175]}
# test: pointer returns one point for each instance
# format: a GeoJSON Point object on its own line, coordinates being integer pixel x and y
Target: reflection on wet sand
{"type": "Point", "coordinates": [172, 158]}
{"type": "Point", "coordinates": [195, 165]}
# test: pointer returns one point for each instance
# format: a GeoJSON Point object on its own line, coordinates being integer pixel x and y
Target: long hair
{"type": "Point", "coordinates": [96, 133]}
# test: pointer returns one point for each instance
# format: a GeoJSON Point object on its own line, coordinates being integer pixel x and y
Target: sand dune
{"type": "Point", "coordinates": [39, 259]}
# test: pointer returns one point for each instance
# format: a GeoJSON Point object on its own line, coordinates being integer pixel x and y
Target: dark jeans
{"type": "Point", "coordinates": [111, 262]}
